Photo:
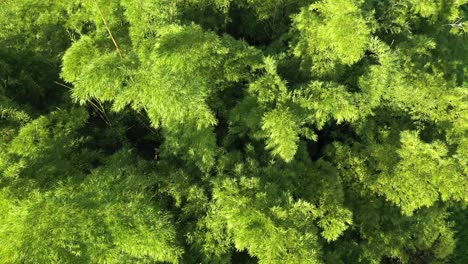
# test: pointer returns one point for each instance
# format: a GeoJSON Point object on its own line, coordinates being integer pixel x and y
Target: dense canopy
{"type": "Point", "coordinates": [233, 131]}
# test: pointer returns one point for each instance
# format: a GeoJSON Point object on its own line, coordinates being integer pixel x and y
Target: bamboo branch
{"type": "Point", "coordinates": [108, 30]}
{"type": "Point", "coordinates": [101, 114]}
{"type": "Point", "coordinates": [63, 85]}
{"type": "Point", "coordinates": [99, 110]}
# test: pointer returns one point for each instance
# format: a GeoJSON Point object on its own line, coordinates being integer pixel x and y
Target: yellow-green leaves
{"type": "Point", "coordinates": [146, 18]}
{"type": "Point", "coordinates": [282, 129]}
{"type": "Point", "coordinates": [175, 81]}
{"type": "Point", "coordinates": [335, 222]}
{"type": "Point", "coordinates": [106, 218]}
{"type": "Point", "coordinates": [437, 9]}
{"type": "Point", "coordinates": [331, 32]}
{"type": "Point", "coordinates": [424, 175]}
{"type": "Point", "coordinates": [232, 131]}
{"type": "Point", "coordinates": [269, 88]}
{"type": "Point", "coordinates": [265, 221]}
{"type": "Point", "coordinates": [45, 138]}
{"type": "Point", "coordinates": [96, 75]}
{"type": "Point", "coordinates": [327, 100]}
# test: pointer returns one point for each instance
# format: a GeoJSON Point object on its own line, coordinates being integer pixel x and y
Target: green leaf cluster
{"type": "Point", "coordinates": [233, 131]}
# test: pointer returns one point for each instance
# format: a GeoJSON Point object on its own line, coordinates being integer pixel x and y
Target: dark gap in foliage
{"type": "Point", "coordinates": [229, 98]}
{"type": "Point", "coordinates": [221, 129]}
{"type": "Point", "coordinates": [145, 139]}
{"type": "Point", "coordinates": [28, 78]}
{"type": "Point", "coordinates": [106, 137]}
{"type": "Point", "coordinates": [243, 257]}
{"type": "Point", "coordinates": [260, 33]}
{"type": "Point", "coordinates": [356, 71]}
{"type": "Point", "coordinates": [209, 17]}
{"type": "Point", "coordinates": [431, 131]}
{"type": "Point", "coordinates": [392, 260]}
{"type": "Point", "coordinates": [329, 134]}
{"type": "Point", "coordinates": [290, 70]}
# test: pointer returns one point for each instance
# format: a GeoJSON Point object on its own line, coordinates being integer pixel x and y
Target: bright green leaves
{"type": "Point", "coordinates": [335, 222]}
{"type": "Point", "coordinates": [34, 137]}
{"type": "Point", "coordinates": [11, 115]}
{"type": "Point", "coordinates": [107, 218]}
{"type": "Point", "coordinates": [437, 9]}
{"type": "Point", "coordinates": [377, 79]}
{"type": "Point", "coordinates": [187, 68]}
{"type": "Point", "coordinates": [261, 215]}
{"type": "Point", "coordinates": [269, 88]}
{"type": "Point", "coordinates": [331, 33]}
{"type": "Point", "coordinates": [196, 146]}
{"type": "Point", "coordinates": [324, 187]}
{"type": "Point", "coordinates": [77, 58]}
{"type": "Point", "coordinates": [46, 139]}
{"type": "Point", "coordinates": [424, 175]}
{"type": "Point", "coordinates": [32, 37]}
{"type": "Point", "coordinates": [153, 86]}
{"type": "Point", "coordinates": [327, 100]}
{"type": "Point", "coordinates": [281, 233]}
{"type": "Point", "coordinates": [178, 77]}
{"type": "Point", "coordinates": [95, 74]}
{"type": "Point", "coordinates": [336, 132]}
{"type": "Point", "coordinates": [282, 130]}
{"type": "Point", "coordinates": [184, 67]}
{"type": "Point", "coordinates": [458, 217]}
{"type": "Point", "coordinates": [145, 19]}
{"type": "Point", "coordinates": [316, 104]}
{"type": "Point", "coordinates": [140, 228]}
{"type": "Point", "coordinates": [280, 124]}
{"type": "Point", "coordinates": [411, 176]}
{"type": "Point", "coordinates": [426, 8]}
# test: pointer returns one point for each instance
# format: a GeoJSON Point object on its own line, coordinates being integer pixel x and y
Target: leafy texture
{"type": "Point", "coordinates": [233, 131]}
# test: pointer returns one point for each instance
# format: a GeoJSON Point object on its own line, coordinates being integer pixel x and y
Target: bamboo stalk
{"type": "Point", "coordinates": [108, 30]}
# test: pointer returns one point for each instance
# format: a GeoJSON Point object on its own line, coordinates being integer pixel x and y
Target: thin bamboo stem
{"type": "Point", "coordinates": [108, 30]}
